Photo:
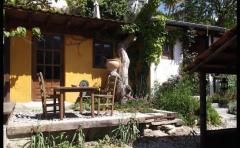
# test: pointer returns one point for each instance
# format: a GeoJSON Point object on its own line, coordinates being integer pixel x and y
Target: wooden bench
{"type": "Point", "coordinates": [8, 108]}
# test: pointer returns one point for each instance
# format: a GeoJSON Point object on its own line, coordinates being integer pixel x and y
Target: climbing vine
{"type": "Point", "coordinates": [149, 28]}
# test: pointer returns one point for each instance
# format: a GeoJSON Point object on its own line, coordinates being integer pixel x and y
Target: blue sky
{"type": "Point", "coordinates": [161, 8]}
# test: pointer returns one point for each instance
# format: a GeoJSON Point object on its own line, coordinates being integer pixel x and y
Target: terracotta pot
{"type": "Point", "coordinates": [113, 64]}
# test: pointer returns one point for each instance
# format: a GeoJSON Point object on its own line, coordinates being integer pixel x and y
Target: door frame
{"type": "Point", "coordinates": [33, 63]}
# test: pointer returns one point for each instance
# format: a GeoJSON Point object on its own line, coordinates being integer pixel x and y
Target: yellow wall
{"type": "Point", "coordinates": [78, 53]}
{"type": "Point", "coordinates": [20, 69]}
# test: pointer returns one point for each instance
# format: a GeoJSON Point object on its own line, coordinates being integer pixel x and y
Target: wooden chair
{"type": "Point", "coordinates": [47, 98]}
{"type": "Point", "coordinates": [107, 95]}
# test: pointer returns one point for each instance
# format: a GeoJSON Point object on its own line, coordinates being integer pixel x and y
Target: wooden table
{"type": "Point", "coordinates": [63, 90]}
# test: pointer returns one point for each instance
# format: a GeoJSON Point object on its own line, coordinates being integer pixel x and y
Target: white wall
{"type": "Point", "coordinates": [167, 67]}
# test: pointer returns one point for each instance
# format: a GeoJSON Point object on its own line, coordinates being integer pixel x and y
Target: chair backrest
{"type": "Point", "coordinates": [42, 86]}
{"type": "Point", "coordinates": [111, 85]}
{"type": "Point", "coordinates": [84, 83]}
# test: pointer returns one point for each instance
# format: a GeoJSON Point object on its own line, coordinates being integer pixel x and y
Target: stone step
{"type": "Point", "coordinates": [177, 122]}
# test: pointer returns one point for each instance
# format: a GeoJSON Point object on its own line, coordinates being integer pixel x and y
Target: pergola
{"type": "Point", "coordinates": [222, 57]}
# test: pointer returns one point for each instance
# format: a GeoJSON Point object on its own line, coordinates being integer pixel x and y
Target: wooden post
{"type": "Point", "coordinates": [61, 106]}
{"type": "Point", "coordinates": [54, 101]}
{"type": "Point", "coordinates": [238, 94]}
{"type": "Point", "coordinates": [92, 104]}
{"type": "Point", "coordinates": [80, 102]}
{"type": "Point", "coordinates": [203, 113]}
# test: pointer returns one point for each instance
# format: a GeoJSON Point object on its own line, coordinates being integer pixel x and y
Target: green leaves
{"type": "Point", "coordinates": [19, 31]}
{"type": "Point", "coordinates": [36, 32]}
{"type": "Point", "coordinates": [22, 32]}
{"type": "Point", "coordinates": [130, 28]}
{"type": "Point", "coordinates": [127, 133]}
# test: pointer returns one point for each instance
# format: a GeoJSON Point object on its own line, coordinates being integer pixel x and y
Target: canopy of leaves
{"type": "Point", "coordinates": [33, 4]}
{"type": "Point", "coordinates": [109, 9]}
{"type": "Point", "coordinates": [213, 12]}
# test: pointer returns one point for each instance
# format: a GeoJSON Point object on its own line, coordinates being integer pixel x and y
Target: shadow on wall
{"type": "Point", "coordinates": [79, 62]}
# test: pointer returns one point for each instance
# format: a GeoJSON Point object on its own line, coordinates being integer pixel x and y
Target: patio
{"type": "Point", "coordinates": [27, 118]}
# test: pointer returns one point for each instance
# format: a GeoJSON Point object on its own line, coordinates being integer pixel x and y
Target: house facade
{"type": "Point", "coordinates": [73, 49]}
{"type": "Point", "coordinates": [70, 50]}
{"type": "Point", "coordinates": [171, 57]}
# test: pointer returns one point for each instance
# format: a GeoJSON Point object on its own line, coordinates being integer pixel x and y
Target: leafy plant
{"type": "Point", "coordinates": [135, 105]}
{"type": "Point", "coordinates": [39, 140]}
{"type": "Point", "coordinates": [176, 95]}
{"type": "Point", "coordinates": [232, 107]}
{"type": "Point", "coordinates": [127, 133]}
{"type": "Point", "coordinates": [212, 115]}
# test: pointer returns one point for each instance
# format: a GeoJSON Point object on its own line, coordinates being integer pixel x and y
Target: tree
{"type": "Point", "coordinates": [109, 9]}
{"type": "Point", "coordinates": [213, 12]}
{"type": "Point", "coordinates": [171, 5]}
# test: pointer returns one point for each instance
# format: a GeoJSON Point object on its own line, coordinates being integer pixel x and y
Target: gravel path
{"type": "Point", "coordinates": [228, 120]}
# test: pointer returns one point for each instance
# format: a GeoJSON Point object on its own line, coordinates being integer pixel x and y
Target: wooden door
{"type": "Point", "coordinates": [47, 58]}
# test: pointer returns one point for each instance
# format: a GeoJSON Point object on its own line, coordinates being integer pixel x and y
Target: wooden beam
{"type": "Point", "coordinates": [47, 20]}
{"type": "Point", "coordinates": [68, 23]}
{"type": "Point", "coordinates": [203, 112]}
{"type": "Point", "coordinates": [238, 90]}
{"type": "Point", "coordinates": [210, 56]}
{"type": "Point", "coordinates": [6, 70]}
{"type": "Point", "coordinates": [228, 69]}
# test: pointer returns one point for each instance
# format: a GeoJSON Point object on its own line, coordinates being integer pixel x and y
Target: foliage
{"type": "Point", "coordinates": [80, 7]}
{"type": "Point", "coordinates": [176, 95]}
{"type": "Point", "coordinates": [188, 40]}
{"type": "Point", "coordinates": [171, 6]}
{"type": "Point", "coordinates": [127, 133]}
{"type": "Point", "coordinates": [135, 105]}
{"type": "Point", "coordinates": [212, 115]}
{"type": "Point", "coordinates": [149, 29]}
{"type": "Point", "coordinates": [214, 98]}
{"type": "Point", "coordinates": [232, 107]}
{"type": "Point", "coordinates": [112, 9]}
{"type": "Point", "coordinates": [32, 4]}
{"type": "Point", "coordinates": [109, 142]}
{"type": "Point", "coordinates": [19, 31]}
{"type": "Point", "coordinates": [109, 9]}
{"type": "Point", "coordinates": [39, 140]}
{"type": "Point", "coordinates": [212, 12]}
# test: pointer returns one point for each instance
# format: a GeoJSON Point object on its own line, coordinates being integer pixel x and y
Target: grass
{"type": "Point", "coordinates": [120, 137]}
{"type": "Point", "coordinates": [135, 105]}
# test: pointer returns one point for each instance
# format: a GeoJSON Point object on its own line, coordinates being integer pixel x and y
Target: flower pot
{"type": "Point", "coordinates": [113, 64]}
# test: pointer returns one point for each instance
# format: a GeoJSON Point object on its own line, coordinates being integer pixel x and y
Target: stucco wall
{"type": "Point", "coordinates": [78, 54]}
{"type": "Point", "coordinates": [20, 69]}
{"type": "Point", "coordinates": [167, 67]}
{"type": "Point", "coordinates": [79, 64]}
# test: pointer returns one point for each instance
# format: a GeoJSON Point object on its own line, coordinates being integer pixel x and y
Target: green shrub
{"type": "Point", "coordinates": [232, 107]}
{"type": "Point", "coordinates": [176, 95]}
{"type": "Point", "coordinates": [212, 115]}
{"type": "Point", "coordinates": [223, 100]}
{"type": "Point", "coordinates": [214, 98]}
{"type": "Point", "coordinates": [39, 140]}
{"type": "Point", "coordinates": [127, 133]}
{"type": "Point", "coordinates": [135, 105]}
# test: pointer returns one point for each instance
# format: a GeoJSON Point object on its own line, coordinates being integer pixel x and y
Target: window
{"type": "Point", "coordinates": [48, 60]}
{"type": "Point", "coordinates": [101, 52]}
{"type": "Point", "coordinates": [167, 51]}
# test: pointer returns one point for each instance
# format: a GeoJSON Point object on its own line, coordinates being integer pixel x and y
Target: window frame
{"type": "Point", "coordinates": [168, 55]}
{"type": "Point", "coordinates": [95, 52]}
{"type": "Point", "coordinates": [53, 52]}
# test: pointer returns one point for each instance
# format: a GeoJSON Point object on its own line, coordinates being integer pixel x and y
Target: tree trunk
{"type": "Point", "coordinates": [123, 88]}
